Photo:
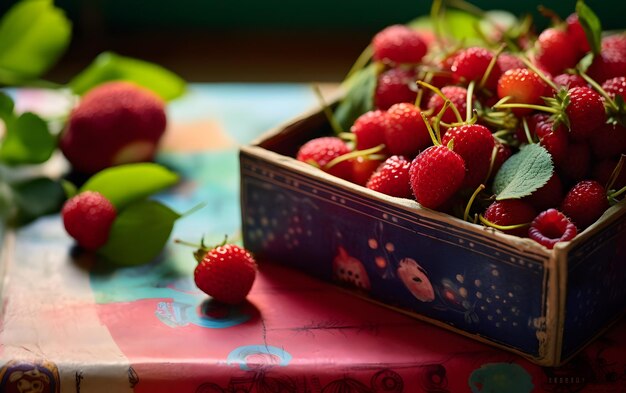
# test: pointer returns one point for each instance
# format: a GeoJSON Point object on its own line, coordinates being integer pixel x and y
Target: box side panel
{"type": "Point", "coordinates": [596, 287]}
{"type": "Point", "coordinates": [395, 256]}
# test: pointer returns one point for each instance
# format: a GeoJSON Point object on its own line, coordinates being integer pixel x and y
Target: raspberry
{"type": "Point", "coordinates": [511, 212]}
{"type": "Point", "coordinates": [226, 273]}
{"type": "Point", "coordinates": [470, 65]}
{"type": "Point", "coordinates": [556, 51]}
{"type": "Point", "coordinates": [369, 129]}
{"type": "Point", "coordinates": [321, 151]}
{"type": "Point", "coordinates": [457, 95]}
{"type": "Point", "coordinates": [585, 112]}
{"type": "Point", "coordinates": [551, 227]}
{"type": "Point", "coordinates": [523, 86]}
{"type": "Point", "coordinates": [406, 133]}
{"type": "Point", "coordinates": [398, 44]}
{"type": "Point", "coordinates": [114, 123]}
{"type": "Point", "coordinates": [392, 178]}
{"type": "Point", "coordinates": [436, 174]}
{"type": "Point", "coordinates": [394, 86]}
{"type": "Point", "coordinates": [615, 86]}
{"type": "Point", "coordinates": [585, 203]}
{"type": "Point", "coordinates": [474, 143]}
{"type": "Point", "coordinates": [88, 218]}
{"type": "Point", "coordinates": [568, 81]}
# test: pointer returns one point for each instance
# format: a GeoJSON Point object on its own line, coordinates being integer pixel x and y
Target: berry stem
{"type": "Point", "coordinates": [436, 15]}
{"type": "Point", "coordinates": [443, 97]}
{"type": "Point", "coordinates": [433, 137]}
{"type": "Point", "coordinates": [617, 193]}
{"type": "Point", "coordinates": [347, 136]}
{"type": "Point", "coordinates": [528, 106]}
{"type": "Point", "coordinates": [527, 131]}
{"type": "Point", "coordinates": [361, 61]}
{"type": "Point", "coordinates": [334, 124]}
{"type": "Point", "coordinates": [610, 101]}
{"type": "Point", "coordinates": [469, 101]}
{"type": "Point", "coordinates": [539, 73]}
{"type": "Point", "coordinates": [471, 201]}
{"type": "Point", "coordinates": [492, 64]}
{"type": "Point", "coordinates": [354, 154]}
{"type": "Point", "coordinates": [501, 227]}
{"type": "Point", "coordinates": [420, 92]}
{"type": "Point", "coordinates": [492, 162]}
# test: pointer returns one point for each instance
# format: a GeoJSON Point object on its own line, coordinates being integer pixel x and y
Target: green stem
{"type": "Point", "coordinates": [492, 64]}
{"type": "Point", "coordinates": [329, 114]}
{"type": "Point", "coordinates": [436, 141]}
{"type": "Point", "coordinates": [361, 61]}
{"type": "Point", "coordinates": [443, 97]}
{"type": "Point", "coordinates": [527, 131]}
{"type": "Point", "coordinates": [436, 17]}
{"type": "Point", "coordinates": [616, 171]}
{"type": "Point", "coordinates": [503, 228]}
{"type": "Point", "coordinates": [492, 162]}
{"type": "Point", "coordinates": [469, 101]}
{"type": "Point", "coordinates": [529, 106]}
{"type": "Point", "coordinates": [471, 201]}
{"type": "Point", "coordinates": [353, 154]}
{"type": "Point", "coordinates": [617, 193]}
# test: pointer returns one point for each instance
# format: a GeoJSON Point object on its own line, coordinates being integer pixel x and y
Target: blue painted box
{"type": "Point", "coordinates": [503, 290]}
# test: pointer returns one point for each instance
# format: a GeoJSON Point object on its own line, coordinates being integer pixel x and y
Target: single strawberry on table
{"type": "Point", "coordinates": [88, 218]}
{"type": "Point", "coordinates": [225, 272]}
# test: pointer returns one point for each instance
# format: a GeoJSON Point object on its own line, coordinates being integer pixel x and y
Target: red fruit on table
{"type": "Point", "coordinates": [510, 212]}
{"type": "Point", "coordinates": [392, 177]}
{"type": "Point", "coordinates": [88, 218]}
{"type": "Point", "coordinates": [585, 203]}
{"type": "Point", "coordinates": [406, 133]}
{"type": "Point", "coordinates": [474, 143]}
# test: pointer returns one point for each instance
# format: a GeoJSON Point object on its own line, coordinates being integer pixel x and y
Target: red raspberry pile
{"type": "Point", "coordinates": [450, 125]}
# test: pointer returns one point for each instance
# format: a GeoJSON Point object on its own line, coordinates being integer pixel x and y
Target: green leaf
{"type": "Point", "coordinates": [126, 184]}
{"type": "Point", "coordinates": [6, 107]}
{"type": "Point", "coordinates": [523, 173]}
{"type": "Point", "coordinates": [457, 24]}
{"type": "Point", "coordinates": [591, 25]}
{"type": "Point", "coordinates": [27, 141]}
{"type": "Point", "coordinates": [139, 233]}
{"type": "Point", "coordinates": [35, 198]}
{"type": "Point", "coordinates": [359, 96]}
{"type": "Point", "coordinates": [33, 35]}
{"type": "Point", "coordinates": [109, 66]}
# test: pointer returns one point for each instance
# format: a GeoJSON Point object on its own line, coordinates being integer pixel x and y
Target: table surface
{"type": "Point", "coordinates": [75, 324]}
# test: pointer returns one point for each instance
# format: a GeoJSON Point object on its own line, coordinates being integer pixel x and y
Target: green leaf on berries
{"type": "Point", "coordinates": [27, 141]}
{"type": "Point", "coordinates": [33, 35]}
{"type": "Point", "coordinates": [591, 25]}
{"type": "Point", "coordinates": [457, 24]}
{"type": "Point", "coordinates": [359, 96]}
{"type": "Point", "coordinates": [523, 173]}
{"type": "Point", "coordinates": [125, 184]}
{"type": "Point", "coordinates": [109, 66]}
{"type": "Point", "coordinates": [139, 233]}
{"type": "Point", "coordinates": [36, 197]}
{"type": "Point", "coordinates": [6, 107]}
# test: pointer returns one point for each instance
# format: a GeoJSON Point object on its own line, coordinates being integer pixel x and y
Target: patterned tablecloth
{"type": "Point", "coordinates": [72, 324]}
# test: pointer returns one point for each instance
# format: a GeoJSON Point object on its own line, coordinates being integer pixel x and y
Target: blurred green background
{"type": "Point", "coordinates": [272, 40]}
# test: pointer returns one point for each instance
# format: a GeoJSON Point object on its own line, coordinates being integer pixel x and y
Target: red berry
{"type": "Point", "coordinates": [395, 85]}
{"type": "Point", "coordinates": [508, 61]}
{"type": "Point", "coordinates": [470, 65]}
{"type": "Point", "coordinates": [511, 212]}
{"type": "Point", "coordinates": [556, 51]}
{"type": "Point", "coordinates": [436, 174]}
{"type": "Point", "coordinates": [406, 133]}
{"type": "Point", "coordinates": [392, 177]}
{"type": "Point", "coordinates": [226, 273]}
{"type": "Point", "coordinates": [88, 218]}
{"type": "Point", "coordinates": [550, 195]}
{"type": "Point", "coordinates": [474, 143]}
{"type": "Point", "coordinates": [362, 169]}
{"type": "Point", "coordinates": [457, 95]}
{"type": "Point", "coordinates": [555, 141]}
{"type": "Point", "coordinates": [523, 86]}
{"type": "Point", "coordinates": [320, 151]}
{"type": "Point", "coordinates": [585, 203]}
{"type": "Point", "coordinates": [398, 44]}
{"type": "Point", "coordinates": [615, 86]}
{"type": "Point", "coordinates": [114, 123]}
{"type": "Point", "coordinates": [551, 227]}
{"type": "Point", "coordinates": [568, 81]}
{"type": "Point", "coordinates": [611, 61]}
{"type": "Point", "coordinates": [577, 34]}
{"type": "Point", "coordinates": [585, 112]}
{"type": "Point", "coordinates": [369, 129]}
